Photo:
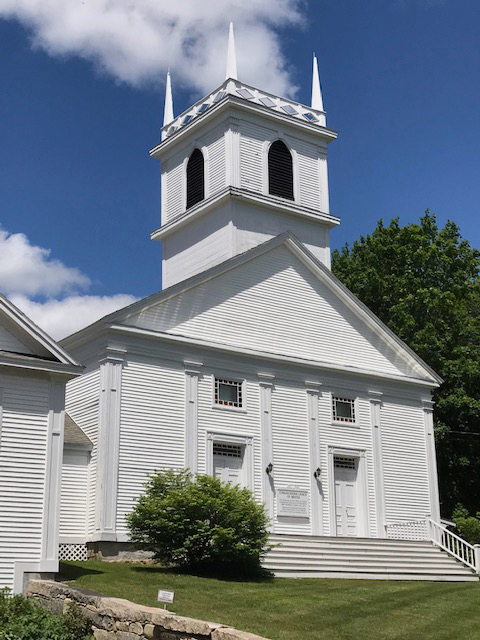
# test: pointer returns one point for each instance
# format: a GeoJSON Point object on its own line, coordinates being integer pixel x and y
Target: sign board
{"type": "Point", "coordinates": [165, 596]}
{"type": "Point", "coordinates": [292, 503]}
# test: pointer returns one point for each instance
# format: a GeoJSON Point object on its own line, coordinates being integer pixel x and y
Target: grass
{"type": "Point", "coordinates": [291, 609]}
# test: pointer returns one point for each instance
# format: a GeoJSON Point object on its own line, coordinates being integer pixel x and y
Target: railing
{"type": "Point", "coordinates": [407, 530]}
{"type": "Point", "coordinates": [463, 551]}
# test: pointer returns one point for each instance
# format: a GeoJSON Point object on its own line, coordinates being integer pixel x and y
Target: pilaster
{"type": "Point", "coordinates": [192, 375]}
{"type": "Point", "coordinates": [316, 500]}
{"type": "Point", "coordinates": [375, 406]}
{"type": "Point", "coordinates": [431, 460]}
{"type": "Point", "coordinates": [53, 471]}
{"type": "Point", "coordinates": [265, 382]}
{"type": "Point", "coordinates": [111, 367]}
{"type": "Point", "coordinates": [232, 152]}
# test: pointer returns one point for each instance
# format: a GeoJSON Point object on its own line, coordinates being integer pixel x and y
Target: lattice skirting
{"type": "Point", "coordinates": [72, 552]}
{"type": "Point", "coordinates": [414, 530]}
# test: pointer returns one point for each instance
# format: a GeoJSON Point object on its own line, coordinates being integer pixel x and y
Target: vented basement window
{"type": "Point", "coordinates": [280, 170]}
{"type": "Point", "coordinates": [195, 178]}
{"type": "Point", "coordinates": [343, 409]}
{"type": "Point", "coordinates": [228, 393]}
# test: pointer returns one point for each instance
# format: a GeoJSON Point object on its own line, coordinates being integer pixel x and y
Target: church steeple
{"type": "Point", "coordinates": [231, 56]}
{"type": "Point", "coordinates": [239, 167]}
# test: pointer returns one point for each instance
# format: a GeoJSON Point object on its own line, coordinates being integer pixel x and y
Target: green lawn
{"type": "Point", "coordinates": [283, 609]}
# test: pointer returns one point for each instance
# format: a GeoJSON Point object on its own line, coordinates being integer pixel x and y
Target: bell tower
{"type": "Point", "coordinates": [239, 167]}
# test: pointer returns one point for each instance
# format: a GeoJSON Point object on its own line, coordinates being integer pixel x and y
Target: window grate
{"type": "Point", "coordinates": [280, 170]}
{"type": "Point", "coordinates": [342, 462]}
{"type": "Point", "coordinates": [343, 409]}
{"type": "Point", "coordinates": [228, 392]}
{"type": "Point", "coordinates": [229, 450]}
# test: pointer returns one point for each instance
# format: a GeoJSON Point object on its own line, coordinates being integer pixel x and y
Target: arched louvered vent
{"type": "Point", "coordinates": [195, 178]}
{"type": "Point", "coordinates": [280, 170]}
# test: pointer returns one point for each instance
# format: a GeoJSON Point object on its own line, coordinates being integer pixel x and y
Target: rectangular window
{"type": "Point", "coordinates": [228, 393]}
{"type": "Point", "coordinates": [343, 409]}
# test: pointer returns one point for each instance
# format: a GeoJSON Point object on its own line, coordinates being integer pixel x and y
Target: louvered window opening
{"type": "Point", "coordinates": [280, 170]}
{"type": "Point", "coordinates": [195, 178]}
{"type": "Point", "coordinates": [229, 450]}
{"type": "Point", "coordinates": [343, 409]}
{"type": "Point", "coordinates": [341, 462]}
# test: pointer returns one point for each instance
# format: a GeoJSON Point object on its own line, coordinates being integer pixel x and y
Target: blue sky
{"type": "Point", "coordinates": [400, 82]}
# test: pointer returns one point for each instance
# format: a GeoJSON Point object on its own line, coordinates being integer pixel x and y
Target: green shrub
{"type": "Point", "coordinates": [200, 523]}
{"type": "Point", "coordinates": [22, 619]}
{"type": "Point", "coordinates": [468, 526]}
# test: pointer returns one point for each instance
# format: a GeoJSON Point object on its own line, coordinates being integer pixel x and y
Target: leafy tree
{"type": "Point", "coordinates": [200, 523]}
{"type": "Point", "coordinates": [424, 283]}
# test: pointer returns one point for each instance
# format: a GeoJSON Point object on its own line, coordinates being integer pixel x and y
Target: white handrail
{"type": "Point", "coordinates": [460, 549]}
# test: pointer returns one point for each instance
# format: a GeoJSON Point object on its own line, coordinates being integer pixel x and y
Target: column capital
{"type": "Point", "coordinates": [312, 386]}
{"type": "Point", "coordinates": [266, 379]}
{"type": "Point", "coordinates": [192, 367]}
{"type": "Point", "coordinates": [428, 405]}
{"type": "Point", "coordinates": [375, 396]}
{"type": "Point", "coordinates": [113, 355]}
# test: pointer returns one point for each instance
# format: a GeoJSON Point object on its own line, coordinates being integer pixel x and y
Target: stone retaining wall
{"type": "Point", "coordinates": [116, 619]}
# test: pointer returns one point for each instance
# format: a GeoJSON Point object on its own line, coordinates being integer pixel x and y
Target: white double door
{"type": "Point", "coordinates": [346, 497]}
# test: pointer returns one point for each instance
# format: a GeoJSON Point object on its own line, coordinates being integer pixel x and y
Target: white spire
{"type": "Point", "coordinates": [168, 110]}
{"type": "Point", "coordinates": [317, 102]}
{"type": "Point", "coordinates": [231, 57]}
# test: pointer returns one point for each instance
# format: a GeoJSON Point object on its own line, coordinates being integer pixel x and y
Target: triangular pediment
{"type": "Point", "coordinates": [20, 337]}
{"type": "Point", "coordinates": [278, 301]}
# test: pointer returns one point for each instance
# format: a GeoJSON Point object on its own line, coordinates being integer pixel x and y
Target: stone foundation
{"type": "Point", "coordinates": [116, 619]}
{"type": "Point", "coordinates": [117, 552]}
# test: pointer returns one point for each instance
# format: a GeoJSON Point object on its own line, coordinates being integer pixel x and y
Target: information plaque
{"type": "Point", "coordinates": [292, 503]}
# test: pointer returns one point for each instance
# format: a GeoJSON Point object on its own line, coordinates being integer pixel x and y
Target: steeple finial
{"type": "Point", "coordinates": [231, 57]}
{"type": "Point", "coordinates": [168, 110]}
{"type": "Point", "coordinates": [317, 102]}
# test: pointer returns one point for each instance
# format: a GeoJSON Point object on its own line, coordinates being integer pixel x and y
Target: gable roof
{"type": "Point", "coordinates": [134, 315]}
{"type": "Point", "coordinates": [25, 345]}
{"type": "Point", "coordinates": [74, 435]}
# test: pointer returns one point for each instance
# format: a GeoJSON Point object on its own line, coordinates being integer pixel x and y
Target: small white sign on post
{"type": "Point", "coordinates": [166, 597]}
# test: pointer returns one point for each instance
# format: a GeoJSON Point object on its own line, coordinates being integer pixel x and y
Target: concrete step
{"type": "Point", "coordinates": [321, 556]}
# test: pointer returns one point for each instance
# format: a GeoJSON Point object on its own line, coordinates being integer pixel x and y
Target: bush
{"type": "Point", "coordinates": [200, 523]}
{"type": "Point", "coordinates": [468, 526]}
{"type": "Point", "coordinates": [22, 619]}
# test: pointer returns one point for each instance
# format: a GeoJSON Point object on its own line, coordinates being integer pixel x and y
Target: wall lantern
{"type": "Point", "coordinates": [316, 473]}
{"type": "Point", "coordinates": [269, 468]}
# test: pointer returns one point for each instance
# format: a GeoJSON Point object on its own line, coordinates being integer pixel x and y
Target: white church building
{"type": "Point", "coordinates": [254, 363]}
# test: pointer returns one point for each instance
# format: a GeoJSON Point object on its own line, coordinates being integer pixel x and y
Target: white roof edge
{"type": "Point", "coordinates": [34, 331]}
{"type": "Point", "coordinates": [220, 346]}
{"type": "Point", "coordinates": [289, 239]}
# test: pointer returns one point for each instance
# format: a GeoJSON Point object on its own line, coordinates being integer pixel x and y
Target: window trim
{"type": "Point", "coordinates": [343, 421]}
{"type": "Point", "coordinates": [225, 407]}
{"type": "Point", "coordinates": [228, 438]}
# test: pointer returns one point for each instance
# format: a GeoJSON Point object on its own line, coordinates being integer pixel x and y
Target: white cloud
{"type": "Point", "coordinates": [60, 318]}
{"type": "Point", "coordinates": [48, 291]}
{"type": "Point", "coordinates": [137, 40]}
{"type": "Point", "coordinates": [28, 269]}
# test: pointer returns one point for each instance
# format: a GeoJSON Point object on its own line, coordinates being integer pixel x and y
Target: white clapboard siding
{"type": "Point", "coordinates": [404, 461]}
{"type": "Point", "coordinates": [74, 497]}
{"type": "Point", "coordinates": [216, 162]}
{"type": "Point", "coordinates": [23, 443]}
{"type": "Point", "coordinates": [308, 172]}
{"type": "Point", "coordinates": [9, 342]}
{"type": "Point", "coordinates": [82, 404]}
{"type": "Point", "coordinates": [339, 435]}
{"type": "Point", "coordinates": [274, 303]}
{"type": "Point", "coordinates": [174, 188]}
{"type": "Point", "coordinates": [227, 421]}
{"type": "Point", "coordinates": [252, 142]}
{"type": "Point", "coordinates": [152, 427]}
{"type": "Point", "coordinates": [290, 449]}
